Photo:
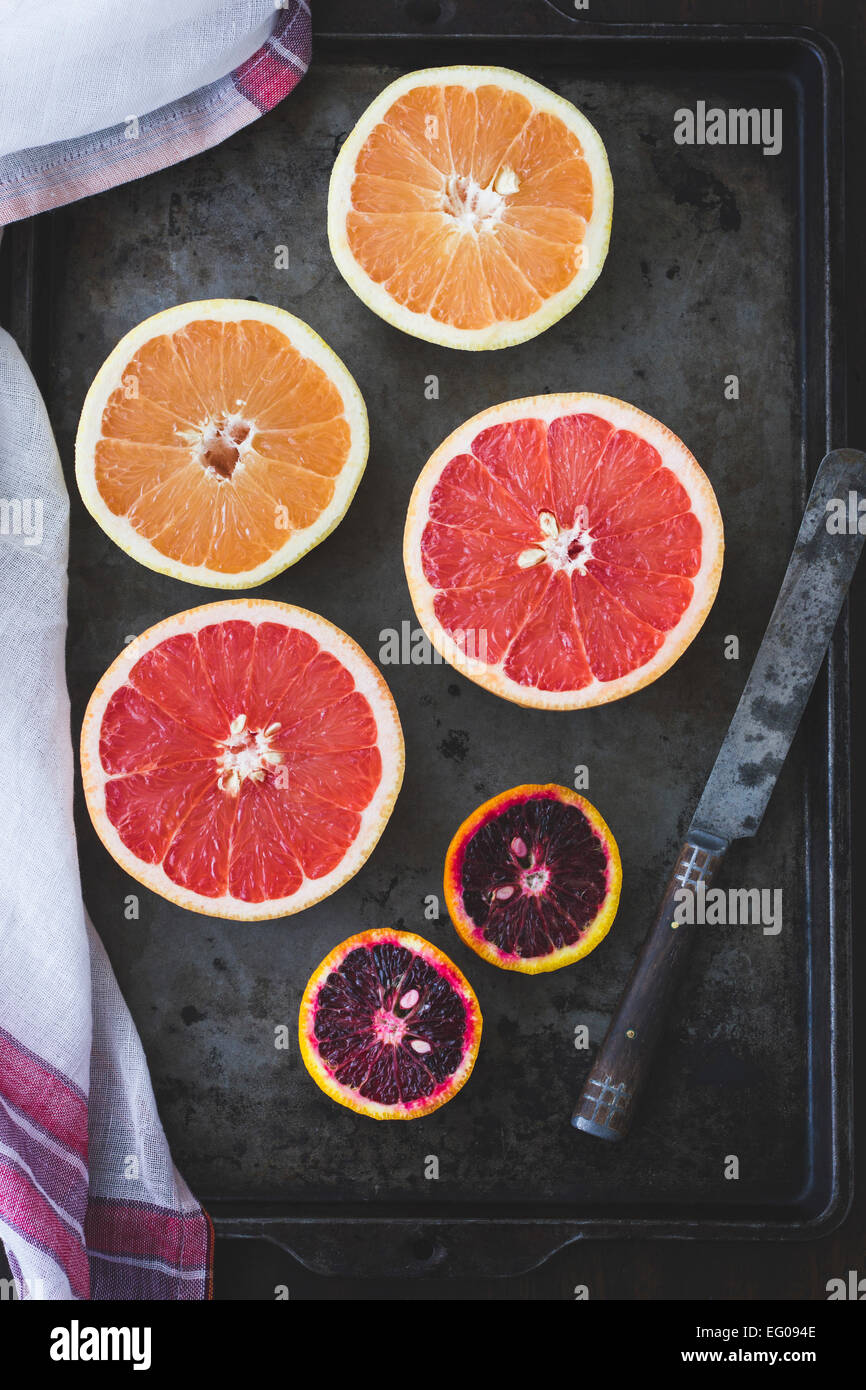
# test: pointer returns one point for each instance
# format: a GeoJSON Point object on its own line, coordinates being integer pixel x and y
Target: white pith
{"type": "Point", "coordinates": [224, 430]}
{"type": "Point", "coordinates": [473, 208]}
{"type": "Point", "coordinates": [674, 455]}
{"type": "Point", "coordinates": [110, 377]}
{"type": "Point", "coordinates": [373, 818]}
{"type": "Point", "coordinates": [593, 248]}
{"type": "Point", "coordinates": [554, 543]}
{"type": "Point", "coordinates": [248, 754]}
{"type": "Point", "coordinates": [534, 881]}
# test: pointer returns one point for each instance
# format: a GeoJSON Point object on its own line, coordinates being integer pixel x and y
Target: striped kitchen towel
{"type": "Point", "coordinates": [91, 1205]}
{"type": "Point", "coordinates": [111, 93]}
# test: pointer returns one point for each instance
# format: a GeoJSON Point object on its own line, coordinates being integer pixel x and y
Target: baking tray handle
{"type": "Point", "coordinates": [368, 1248]}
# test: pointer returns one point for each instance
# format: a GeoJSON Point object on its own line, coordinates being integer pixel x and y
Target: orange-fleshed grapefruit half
{"type": "Point", "coordinates": [470, 206]}
{"type": "Point", "coordinates": [563, 551]}
{"type": "Point", "coordinates": [532, 879]}
{"type": "Point", "coordinates": [241, 759]}
{"type": "Point", "coordinates": [389, 1026]}
{"type": "Point", "coordinates": [221, 441]}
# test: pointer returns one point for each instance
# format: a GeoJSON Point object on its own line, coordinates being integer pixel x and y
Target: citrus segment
{"type": "Point", "coordinates": [549, 651]}
{"type": "Point", "coordinates": [470, 206]}
{"type": "Point", "coordinates": [242, 758]}
{"type": "Point", "coordinates": [532, 879]}
{"type": "Point", "coordinates": [220, 441]}
{"type": "Point", "coordinates": [389, 1027]}
{"type": "Point", "coordinates": [564, 550]}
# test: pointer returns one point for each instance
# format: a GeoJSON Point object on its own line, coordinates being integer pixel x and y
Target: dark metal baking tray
{"type": "Point", "coordinates": [722, 261]}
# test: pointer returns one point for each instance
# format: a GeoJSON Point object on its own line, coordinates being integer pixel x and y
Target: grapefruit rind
{"type": "Point", "coordinates": [374, 818]}
{"type": "Point", "coordinates": [344, 1095]}
{"type": "Point", "coordinates": [496, 335]}
{"type": "Point", "coordinates": [674, 455]}
{"type": "Point", "coordinates": [110, 377]}
{"type": "Point", "coordinates": [466, 929]}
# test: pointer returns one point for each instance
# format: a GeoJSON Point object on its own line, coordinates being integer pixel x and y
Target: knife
{"type": "Point", "coordinates": [741, 782]}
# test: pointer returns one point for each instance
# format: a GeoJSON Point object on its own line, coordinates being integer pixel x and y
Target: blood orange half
{"type": "Point", "coordinates": [241, 759]}
{"type": "Point", "coordinates": [532, 879]}
{"type": "Point", "coordinates": [220, 441]}
{"type": "Point", "coordinates": [388, 1026]}
{"type": "Point", "coordinates": [563, 551]}
{"type": "Point", "coordinates": [470, 206]}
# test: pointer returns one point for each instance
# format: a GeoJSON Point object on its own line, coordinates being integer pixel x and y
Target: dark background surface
{"type": "Point", "coordinates": [643, 1269]}
{"type": "Point", "coordinates": [637, 1269]}
{"type": "Point", "coordinates": [703, 273]}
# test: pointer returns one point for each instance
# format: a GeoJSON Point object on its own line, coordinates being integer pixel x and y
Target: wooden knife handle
{"type": "Point", "coordinates": [612, 1088]}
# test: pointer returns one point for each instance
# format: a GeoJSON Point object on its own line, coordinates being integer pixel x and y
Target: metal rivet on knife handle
{"type": "Point", "coordinates": [738, 789]}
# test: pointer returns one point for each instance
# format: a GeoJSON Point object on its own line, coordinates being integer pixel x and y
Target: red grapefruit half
{"type": "Point", "coordinates": [563, 550]}
{"type": "Point", "coordinates": [389, 1026]}
{"type": "Point", "coordinates": [241, 759]}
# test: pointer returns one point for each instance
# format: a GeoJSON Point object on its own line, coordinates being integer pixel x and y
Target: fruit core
{"type": "Point", "coordinates": [390, 1027]}
{"type": "Point", "coordinates": [534, 876]}
{"type": "Point", "coordinates": [221, 443]}
{"type": "Point", "coordinates": [387, 1027]}
{"type": "Point", "coordinates": [535, 880]}
{"type": "Point", "coordinates": [473, 207]}
{"type": "Point", "coordinates": [247, 754]}
{"type": "Point", "coordinates": [566, 548]}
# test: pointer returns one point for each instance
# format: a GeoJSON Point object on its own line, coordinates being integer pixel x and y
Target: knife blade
{"type": "Point", "coordinates": [788, 660]}
{"type": "Point", "coordinates": [741, 782]}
